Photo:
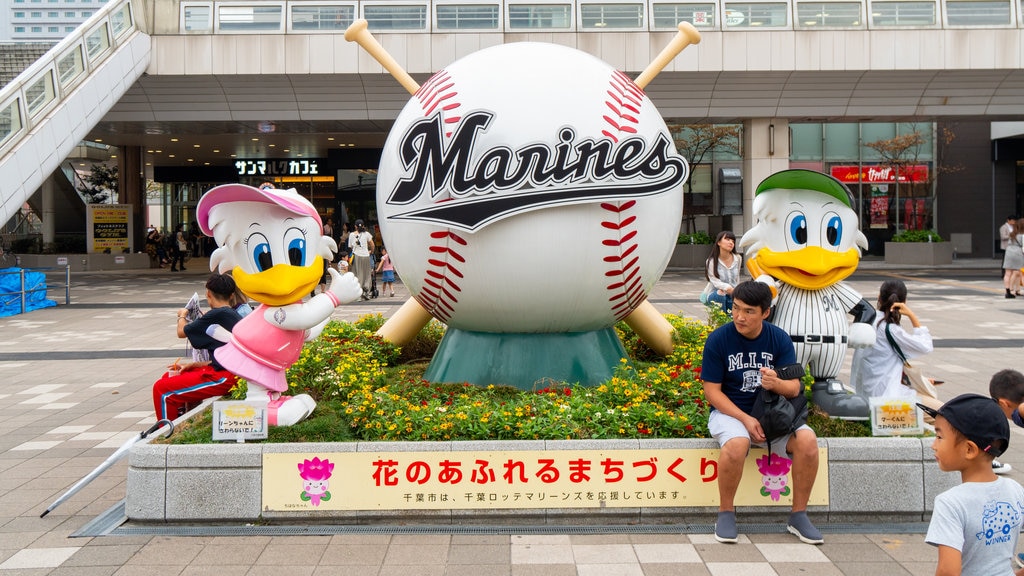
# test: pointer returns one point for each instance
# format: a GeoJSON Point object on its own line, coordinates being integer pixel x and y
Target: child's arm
{"type": "Point", "coordinates": [949, 562]}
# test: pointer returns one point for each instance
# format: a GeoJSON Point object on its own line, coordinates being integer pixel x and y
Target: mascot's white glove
{"type": "Point", "coordinates": [766, 279]}
{"type": "Point", "coordinates": [861, 335]}
{"type": "Point", "coordinates": [345, 288]}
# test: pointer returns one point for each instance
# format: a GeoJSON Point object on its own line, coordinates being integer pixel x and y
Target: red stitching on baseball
{"type": "Point", "coordinates": [625, 287]}
{"type": "Point", "coordinates": [440, 292]}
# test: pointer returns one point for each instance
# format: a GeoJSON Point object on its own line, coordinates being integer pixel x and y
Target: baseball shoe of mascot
{"type": "Point", "coordinates": [805, 242]}
{"type": "Point", "coordinates": [272, 242]}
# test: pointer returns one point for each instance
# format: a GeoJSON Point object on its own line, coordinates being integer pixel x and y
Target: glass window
{"type": "Point", "coordinates": [37, 29]}
{"type": "Point", "coordinates": [526, 16]}
{"type": "Point", "coordinates": [755, 14]}
{"type": "Point", "coordinates": [335, 18]}
{"type": "Point", "coordinates": [36, 14]}
{"type": "Point", "coordinates": [69, 29]}
{"type": "Point", "coordinates": [830, 14]}
{"type": "Point", "coordinates": [196, 18]}
{"type": "Point", "coordinates": [392, 17]}
{"type": "Point", "coordinates": [121, 19]}
{"type": "Point", "coordinates": [249, 18]}
{"type": "Point", "coordinates": [86, 13]}
{"type": "Point", "coordinates": [468, 16]}
{"type": "Point", "coordinates": [97, 42]}
{"type": "Point", "coordinates": [52, 14]}
{"type": "Point", "coordinates": [19, 28]}
{"type": "Point", "coordinates": [70, 65]}
{"type": "Point", "coordinates": [39, 93]}
{"type": "Point", "coordinates": [19, 14]}
{"type": "Point", "coordinates": [977, 13]}
{"type": "Point", "coordinates": [841, 141]}
{"type": "Point", "coordinates": [903, 13]}
{"type": "Point", "coordinates": [69, 14]}
{"type": "Point", "coordinates": [612, 15]}
{"type": "Point", "coordinates": [53, 29]}
{"type": "Point", "coordinates": [805, 141]}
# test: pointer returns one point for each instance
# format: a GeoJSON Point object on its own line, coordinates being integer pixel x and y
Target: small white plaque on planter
{"type": "Point", "coordinates": [239, 420]}
{"type": "Point", "coordinates": [62, 260]}
{"type": "Point", "coordinates": [896, 417]}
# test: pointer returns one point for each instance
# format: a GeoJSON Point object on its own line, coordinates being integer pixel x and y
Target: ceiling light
{"type": "Point", "coordinates": [272, 145]}
{"type": "Point", "coordinates": [159, 151]}
{"type": "Point", "coordinates": [255, 139]}
{"type": "Point", "coordinates": [191, 159]}
{"type": "Point", "coordinates": [195, 145]}
{"type": "Point", "coordinates": [216, 150]}
{"type": "Point", "coordinates": [330, 138]}
{"type": "Point", "coordinates": [99, 139]}
{"type": "Point", "coordinates": [170, 155]}
{"type": "Point", "coordinates": [174, 139]}
{"type": "Point", "coordinates": [149, 151]}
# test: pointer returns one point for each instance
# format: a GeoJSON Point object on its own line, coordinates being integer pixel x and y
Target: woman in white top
{"type": "Point", "coordinates": [722, 269]}
{"type": "Point", "coordinates": [878, 371]}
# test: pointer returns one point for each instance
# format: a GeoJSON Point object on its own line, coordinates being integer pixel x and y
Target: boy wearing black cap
{"type": "Point", "coordinates": [974, 525]}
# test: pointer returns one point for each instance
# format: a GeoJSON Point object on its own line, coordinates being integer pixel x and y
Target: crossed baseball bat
{"type": "Point", "coordinates": [645, 320]}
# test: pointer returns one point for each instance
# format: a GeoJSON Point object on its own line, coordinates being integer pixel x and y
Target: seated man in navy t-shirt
{"type": "Point", "coordinates": [739, 359]}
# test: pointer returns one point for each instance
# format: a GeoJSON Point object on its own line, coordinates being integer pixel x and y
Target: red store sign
{"type": "Point", "coordinates": [879, 174]}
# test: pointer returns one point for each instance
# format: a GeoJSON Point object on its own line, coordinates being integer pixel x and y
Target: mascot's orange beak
{"type": "Point", "coordinates": [810, 268]}
{"type": "Point", "coordinates": [281, 285]}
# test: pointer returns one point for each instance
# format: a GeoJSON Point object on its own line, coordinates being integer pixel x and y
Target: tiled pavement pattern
{"type": "Point", "coordinates": [75, 380]}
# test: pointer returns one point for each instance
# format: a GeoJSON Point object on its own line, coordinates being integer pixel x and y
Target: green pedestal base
{"type": "Point", "coordinates": [521, 360]}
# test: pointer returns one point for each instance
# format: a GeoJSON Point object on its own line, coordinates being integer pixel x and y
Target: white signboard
{"type": "Point", "coordinates": [239, 420]}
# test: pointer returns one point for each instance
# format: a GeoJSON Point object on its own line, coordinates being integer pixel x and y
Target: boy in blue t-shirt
{"type": "Point", "coordinates": [740, 358]}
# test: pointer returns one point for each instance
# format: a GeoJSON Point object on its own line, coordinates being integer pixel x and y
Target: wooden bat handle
{"type": "Point", "coordinates": [405, 324]}
{"type": "Point", "coordinates": [359, 34]}
{"type": "Point", "coordinates": [687, 35]}
{"type": "Point", "coordinates": [652, 328]}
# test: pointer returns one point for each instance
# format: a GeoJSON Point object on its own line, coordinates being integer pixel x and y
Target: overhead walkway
{"type": "Point", "coordinates": [51, 106]}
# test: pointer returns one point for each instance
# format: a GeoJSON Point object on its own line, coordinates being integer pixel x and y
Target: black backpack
{"type": "Point", "coordinates": [779, 416]}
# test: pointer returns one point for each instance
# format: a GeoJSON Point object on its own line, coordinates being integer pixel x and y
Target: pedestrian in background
{"type": "Point", "coordinates": [1013, 259]}
{"type": "Point", "coordinates": [722, 271]}
{"type": "Point", "coordinates": [360, 243]}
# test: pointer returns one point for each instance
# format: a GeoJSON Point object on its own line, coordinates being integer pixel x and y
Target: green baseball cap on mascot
{"type": "Point", "coordinates": [807, 180]}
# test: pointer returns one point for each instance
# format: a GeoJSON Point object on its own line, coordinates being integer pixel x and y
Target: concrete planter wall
{"type": "Point", "coordinates": [927, 253]}
{"type": "Point", "coordinates": [689, 255]}
{"type": "Point", "coordinates": [870, 480]}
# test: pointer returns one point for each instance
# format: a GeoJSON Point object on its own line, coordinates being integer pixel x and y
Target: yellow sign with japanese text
{"type": "Point", "coordinates": [522, 479]}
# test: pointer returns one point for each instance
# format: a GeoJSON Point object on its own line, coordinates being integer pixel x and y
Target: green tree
{"type": "Point", "coordinates": [102, 181]}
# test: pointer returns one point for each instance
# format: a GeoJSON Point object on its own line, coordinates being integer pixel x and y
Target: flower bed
{"type": "Point", "coordinates": [370, 390]}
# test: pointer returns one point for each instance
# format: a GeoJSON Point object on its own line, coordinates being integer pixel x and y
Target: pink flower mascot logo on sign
{"type": "Point", "coordinates": [315, 474]}
{"type": "Point", "coordinates": [273, 244]}
{"type": "Point", "coordinates": [774, 477]}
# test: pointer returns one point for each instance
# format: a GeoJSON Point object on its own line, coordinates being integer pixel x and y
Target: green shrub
{"type": "Point", "coordinates": [917, 236]}
{"type": "Point", "coordinates": [699, 237]}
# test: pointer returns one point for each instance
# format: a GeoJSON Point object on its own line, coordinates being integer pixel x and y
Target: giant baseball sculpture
{"type": "Point", "coordinates": [804, 243]}
{"type": "Point", "coordinates": [531, 196]}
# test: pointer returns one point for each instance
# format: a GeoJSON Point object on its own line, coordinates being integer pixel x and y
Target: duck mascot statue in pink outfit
{"type": "Point", "coordinates": [272, 242]}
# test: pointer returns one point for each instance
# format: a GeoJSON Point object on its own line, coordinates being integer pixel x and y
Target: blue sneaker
{"type": "Point", "coordinates": [1019, 560]}
{"type": "Point", "coordinates": [725, 528]}
{"type": "Point", "coordinates": [800, 526]}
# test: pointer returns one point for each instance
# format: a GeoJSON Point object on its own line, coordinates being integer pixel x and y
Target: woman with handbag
{"type": "Point", "coordinates": [879, 371]}
{"type": "Point", "coordinates": [1013, 260]}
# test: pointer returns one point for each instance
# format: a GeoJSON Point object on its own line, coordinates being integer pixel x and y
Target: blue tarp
{"type": "Point", "coordinates": [10, 291]}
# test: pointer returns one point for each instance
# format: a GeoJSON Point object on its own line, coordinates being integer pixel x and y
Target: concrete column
{"type": "Point", "coordinates": [49, 208]}
{"type": "Point", "coordinates": [131, 187]}
{"type": "Point", "coordinates": [765, 152]}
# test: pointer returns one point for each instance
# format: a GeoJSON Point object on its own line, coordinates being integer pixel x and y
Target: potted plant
{"type": "Point", "coordinates": [918, 247]}
{"type": "Point", "coordinates": [691, 250]}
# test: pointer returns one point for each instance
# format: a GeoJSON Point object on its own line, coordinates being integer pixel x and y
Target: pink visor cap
{"type": "Point", "coordinates": [288, 199]}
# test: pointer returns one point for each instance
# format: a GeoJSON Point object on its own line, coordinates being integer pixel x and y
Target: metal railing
{"type": "Point", "coordinates": [24, 292]}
